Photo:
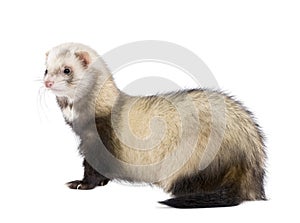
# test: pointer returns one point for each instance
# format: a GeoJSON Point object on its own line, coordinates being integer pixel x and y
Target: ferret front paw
{"type": "Point", "coordinates": [103, 182]}
{"type": "Point", "coordinates": [80, 185]}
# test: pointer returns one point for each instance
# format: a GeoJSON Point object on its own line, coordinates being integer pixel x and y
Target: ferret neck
{"type": "Point", "coordinates": [106, 95]}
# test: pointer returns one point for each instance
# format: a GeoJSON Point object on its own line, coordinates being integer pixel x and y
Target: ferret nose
{"type": "Point", "coordinates": [49, 84]}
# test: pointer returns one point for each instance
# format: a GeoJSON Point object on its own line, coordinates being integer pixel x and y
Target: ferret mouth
{"type": "Point", "coordinates": [58, 92]}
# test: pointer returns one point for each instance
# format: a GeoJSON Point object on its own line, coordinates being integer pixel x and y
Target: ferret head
{"type": "Point", "coordinates": [71, 70]}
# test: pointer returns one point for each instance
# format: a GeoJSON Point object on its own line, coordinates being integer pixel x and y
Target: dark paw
{"type": "Point", "coordinates": [80, 185]}
{"type": "Point", "coordinates": [103, 182]}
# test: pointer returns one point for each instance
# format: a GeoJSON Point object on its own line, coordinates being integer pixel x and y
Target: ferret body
{"type": "Point", "coordinates": [200, 145]}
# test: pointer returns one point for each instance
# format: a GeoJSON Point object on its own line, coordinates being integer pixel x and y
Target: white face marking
{"type": "Point", "coordinates": [64, 71]}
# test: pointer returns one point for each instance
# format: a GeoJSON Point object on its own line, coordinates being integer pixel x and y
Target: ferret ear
{"type": "Point", "coordinates": [84, 57]}
{"type": "Point", "coordinates": [46, 54]}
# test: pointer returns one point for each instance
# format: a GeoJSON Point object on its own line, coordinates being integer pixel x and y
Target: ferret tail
{"type": "Point", "coordinates": [221, 198]}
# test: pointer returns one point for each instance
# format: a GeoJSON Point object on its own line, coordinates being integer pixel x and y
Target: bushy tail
{"type": "Point", "coordinates": [221, 198]}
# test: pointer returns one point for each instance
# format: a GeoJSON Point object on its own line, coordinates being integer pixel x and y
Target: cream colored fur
{"type": "Point", "coordinates": [148, 129]}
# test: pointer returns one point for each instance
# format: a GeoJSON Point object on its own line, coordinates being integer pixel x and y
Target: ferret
{"type": "Point", "coordinates": [200, 145]}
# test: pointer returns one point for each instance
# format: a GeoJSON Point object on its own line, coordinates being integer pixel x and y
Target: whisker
{"type": "Point", "coordinates": [41, 103]}
{"type": "Point", "coordinates": [59, 82]}
{"type": "Point", "coordinates": [39, 80]}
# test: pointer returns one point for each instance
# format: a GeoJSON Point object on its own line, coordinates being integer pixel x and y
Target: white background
{"type": "Point", "coordinates": [252, 48]}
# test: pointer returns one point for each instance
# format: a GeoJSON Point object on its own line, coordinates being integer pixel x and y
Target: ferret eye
{"type": "Point", "coordinates": [46, 72]}
{"type": "Point", "coordinates": [67, 71]}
